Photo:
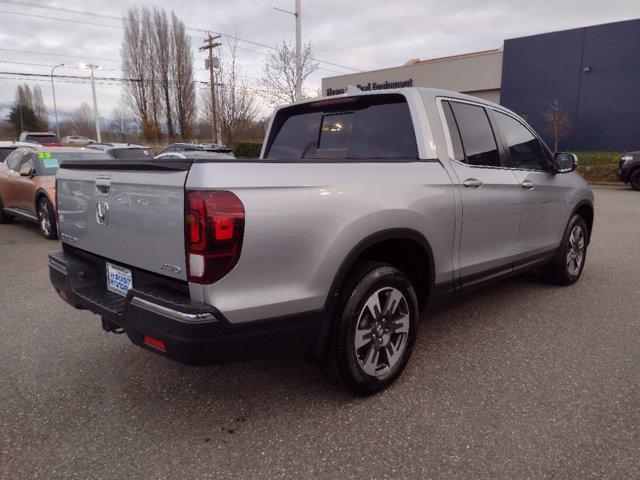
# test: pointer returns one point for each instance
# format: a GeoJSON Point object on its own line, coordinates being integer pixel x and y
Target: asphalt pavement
{"type": "Point", "coordinates": [519, 380]}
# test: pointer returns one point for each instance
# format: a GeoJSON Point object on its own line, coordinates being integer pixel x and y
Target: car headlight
{"type": "Point", "coordinates": [625, 158]}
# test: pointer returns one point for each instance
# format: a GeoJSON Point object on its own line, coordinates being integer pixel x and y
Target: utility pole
{"type": "Point", "coordinates": [209, 45]}
{"type": "Point", "coordinates": [298, 15]}
{"type": "Point", "coordinates": [298, 51]}
{"type": "Point", "coordinates": [55, 107]}
{"type": "Point", "coordinates": [91, 68]}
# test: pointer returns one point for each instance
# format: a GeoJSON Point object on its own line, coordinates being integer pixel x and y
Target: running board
{"type": "Point", "coordinates": [22, 213]}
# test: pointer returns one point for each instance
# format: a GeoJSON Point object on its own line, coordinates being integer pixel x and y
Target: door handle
{"type": "Point", "coordinates": [472, 183]}
{"type": "Point", "coordinates": [527, 184]}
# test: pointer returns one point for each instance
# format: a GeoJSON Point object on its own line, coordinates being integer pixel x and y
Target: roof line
{"type": "Point", "coordinates": [429, 60]}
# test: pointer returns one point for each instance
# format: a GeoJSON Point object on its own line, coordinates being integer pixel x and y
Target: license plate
{"type": "Point", "coordinates": [119, 279]}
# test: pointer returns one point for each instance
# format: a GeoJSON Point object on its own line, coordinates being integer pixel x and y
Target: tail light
{"type": "Point", "coordinates": [214, 227]}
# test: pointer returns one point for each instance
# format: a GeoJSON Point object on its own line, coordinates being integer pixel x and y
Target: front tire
{"type": "Point", "coordinates": [634, 181]}
{"type": "Point", "coordinates": [47, 219]}
{"type": "Point", "coordinates": [568, 263]}
{"type": "Point", "coordinates": [373, 331]}
{"type": "Point", "coordinates": [4, 217]}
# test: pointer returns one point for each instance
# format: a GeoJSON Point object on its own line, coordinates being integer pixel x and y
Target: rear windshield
{"type": "Point", "coordinates": [367, 127]}
{"type": "Point", "coordinates": [131, 153]}
{"type": "Point", "coordinates": [42, 138]}
{"type": "Point", "coordinates": [47, 163]}
{"type": "Point", "coordinates": [4, 153]}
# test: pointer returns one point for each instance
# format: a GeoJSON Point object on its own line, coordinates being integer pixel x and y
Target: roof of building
{"type": "Point", "coordinates": [416, 61]}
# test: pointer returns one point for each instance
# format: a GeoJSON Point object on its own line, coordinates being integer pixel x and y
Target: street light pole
{"type": "Point", "coordinates": [298, 15]}
{"type": "Point", "coordinates": [91, 68]}
{"type": "Point", "coordinates": [55, 107]}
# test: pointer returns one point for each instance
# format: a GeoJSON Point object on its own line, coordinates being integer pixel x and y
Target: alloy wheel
{"type": "Point", "coordinates": [44, 218]}
{"type": "Point", "coordinates": [382, 331]}
{"type": "Point", "coordinates": [576, 250]}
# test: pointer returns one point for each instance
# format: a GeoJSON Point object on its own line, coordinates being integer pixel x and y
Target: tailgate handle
{"type": "Point", "coordinates": [103, 185]}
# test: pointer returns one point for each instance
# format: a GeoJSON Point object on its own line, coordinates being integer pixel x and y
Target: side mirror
{"type": "Point", "coordinates": [564, 162]}
{"type": "Point", "coordinates": [27, 171]}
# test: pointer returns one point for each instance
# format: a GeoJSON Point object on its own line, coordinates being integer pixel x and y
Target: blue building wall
{"type": "Point", "coordinates": [594, 72]}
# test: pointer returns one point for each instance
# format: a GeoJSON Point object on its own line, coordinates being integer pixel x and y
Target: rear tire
{"type": "Point", "coordinates": [47, 219]}
{"type": "Point", "coordinates": [634, 181]}
{"type": "Point", "coordinates": [373, 331]}
{"type": "Point", "coordinates": [568, 263]}
{"type": "Point", "coordinates": [4, 217]}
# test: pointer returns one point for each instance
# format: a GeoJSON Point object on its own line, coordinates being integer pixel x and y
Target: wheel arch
{"type": "Point", "coordinates": [369, 247]}
{"type": "Point", "coordinates": [360, 252]}
{"type": "Point", "coordinates": [40, 192]}
{"type": "Point", "coordinates": [584, 208]}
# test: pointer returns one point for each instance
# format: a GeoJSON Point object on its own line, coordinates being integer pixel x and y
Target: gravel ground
{"type": "Point", "coordinates": [520, 380]}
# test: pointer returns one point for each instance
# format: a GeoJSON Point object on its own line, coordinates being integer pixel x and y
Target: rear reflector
{"type": "Point", "coordinates": [153, 342]}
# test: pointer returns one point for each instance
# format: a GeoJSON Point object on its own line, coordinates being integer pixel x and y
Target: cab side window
{"type": "Point", "coordinates": [478, 141]}
{"type": "Point", "coordinates": [525, 150]}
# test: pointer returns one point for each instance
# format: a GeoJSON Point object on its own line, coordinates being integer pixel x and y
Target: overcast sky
{"type": "Point", "coordinates": [361, 34]}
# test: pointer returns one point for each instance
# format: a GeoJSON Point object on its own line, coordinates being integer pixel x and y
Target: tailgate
{"type": "Point", "coordinates": [135, 218]}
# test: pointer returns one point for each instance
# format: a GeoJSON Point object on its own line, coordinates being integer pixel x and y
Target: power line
{"type": "Point", "coordinates": [66, 67]}
{"type": "Point", "coordinates": [103, 79]}
{"type": "Point", "coordinates": [60, 19]}
{"type": "Point", "coordinates": [112, 17]}
{"type": "Point", "coordinates": [81, 57]}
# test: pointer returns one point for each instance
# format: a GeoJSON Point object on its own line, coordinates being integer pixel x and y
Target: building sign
{"type": "Point", "coordinates": [367, 87]}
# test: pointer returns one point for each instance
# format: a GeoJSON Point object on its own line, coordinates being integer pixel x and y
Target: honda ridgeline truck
{"type": "Point", "coordinates": [362, 211]}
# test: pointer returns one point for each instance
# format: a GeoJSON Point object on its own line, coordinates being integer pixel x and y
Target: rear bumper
{"type": "Point", "coordinates": [188, 332]}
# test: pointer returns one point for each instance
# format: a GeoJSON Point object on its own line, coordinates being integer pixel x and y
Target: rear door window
{"type": "Point", "coordinates": [374, 127]}
{"type": "Point", "coordinates": [525, 150]}
{"type": "Point", "coordinates": [478, 140]}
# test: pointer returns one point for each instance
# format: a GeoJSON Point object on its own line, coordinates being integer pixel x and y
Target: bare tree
{"type": "Point", "coordinates": [163, 59]}
{"type": "Point", "coordinates": [82, 121]}
{"type": "Point", "coordinates": [28, 111]}
{"type": "Point", "coordinates": [122, 124]}
{"type": "Point", "coordinates": [183, 88]}
{"type": "Point", "coordinates": [156, 56]}
{"type": "Point", "coordinates": [39, 108]}
{"type": "Point", "coordinates": [134, 63]}
{"type": "Point", "coordinates": [279, 74]}
{"type": "Point", "coordinates": [236, 101]}
{"type": "Point", "coordinates": [558, 122]}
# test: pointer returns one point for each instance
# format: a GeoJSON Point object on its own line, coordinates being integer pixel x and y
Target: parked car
{"type": "Point", "coordinates": [47, 139]}
{"type": "Point", "coordinates": [363, 211]}
{"type": "Point", "coordinates": [123, 151]}
{"type": "Point", "coordinates": [221, 150]}
{"type": "Point", "coordinates": [7, 147]}
{"type": "Point", "coordinates": [629, 171]}
{"type": "Point", "coordinates": [27, 184]}
{"type": "Point", "coordinates": [76, 141]}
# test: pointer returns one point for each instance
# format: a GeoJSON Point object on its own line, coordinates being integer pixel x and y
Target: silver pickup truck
{"type": "Point", "coordinates": [362, 211]}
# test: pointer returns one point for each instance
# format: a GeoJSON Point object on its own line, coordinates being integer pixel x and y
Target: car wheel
{"type": "Point", "coordinates": [4, 217]}
{"type": "Point", "coordinates": [634, 181]}
{"type": "Point", "coordinates": [568, 263]}
{"type": "Point", "coordinates": [373, 331]}
{"type": "Point", "coordinates": [47, 219]}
